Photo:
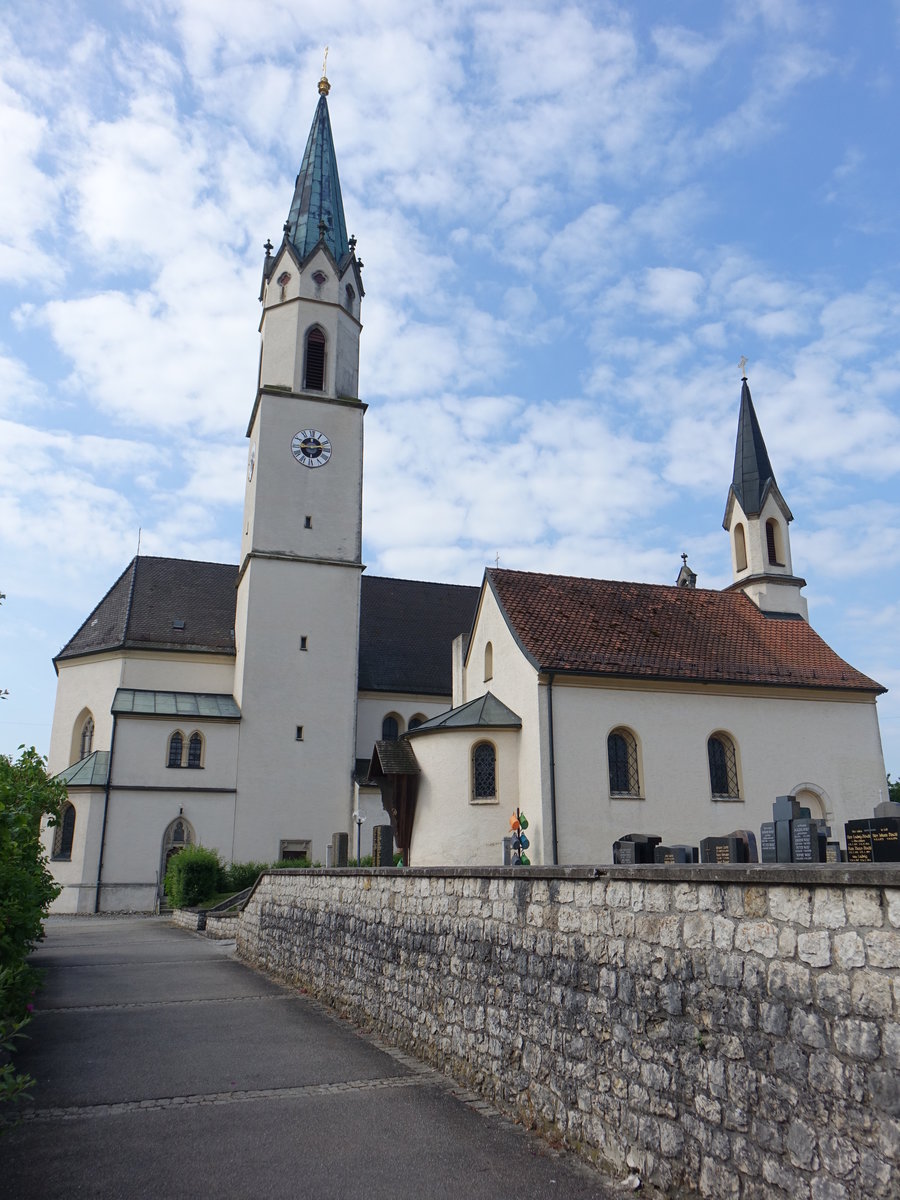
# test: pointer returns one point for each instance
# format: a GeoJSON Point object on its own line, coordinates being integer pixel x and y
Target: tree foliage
{"type": "Point", "coordinates": [893, 789]}
{"type": "Point", "coordinates": [26, 890]}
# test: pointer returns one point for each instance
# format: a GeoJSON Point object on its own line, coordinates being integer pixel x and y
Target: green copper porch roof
{"type": "Point", "coordinates": [87, 772]}
{"type": "Point", "coordinates": [486, 711]}
{"type": "Point", "coordinates": [317, 193]}
{"type": "Point", "coordinates": [133, 702]}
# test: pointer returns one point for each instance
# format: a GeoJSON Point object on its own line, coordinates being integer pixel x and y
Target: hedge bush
{"type": "Point", "coordinates": [192, 876]}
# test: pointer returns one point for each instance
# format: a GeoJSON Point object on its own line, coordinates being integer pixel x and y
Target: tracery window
{"type": "Point", "coordinates": [621, 752]}
{"type": "Point", "coordinates": [195, 750]}
{"type": "Point", "coordinates": [176, 749]}
{"type": "Point", "coordinates": [484, 771]}
{"type": "Point", "coordinates": [87, 737]}
{"type": "Point", "coordinates": [723, 776]}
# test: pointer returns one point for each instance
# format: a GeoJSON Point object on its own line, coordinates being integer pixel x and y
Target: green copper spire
{"type": "Point", "coordinates": [317, 210]}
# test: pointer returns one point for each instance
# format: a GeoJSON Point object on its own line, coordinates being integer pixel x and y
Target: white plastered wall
{"type": "Point", "coordinates": [449, 829]}
{"type": "Point", "coordinates": [373, 707]}
{"type": "Point", "coordinates": [91, 682]}
{"type": "Point", "coordinates": [782, 740]}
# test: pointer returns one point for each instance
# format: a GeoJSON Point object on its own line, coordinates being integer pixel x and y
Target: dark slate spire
{"type": "Point", "coordinates": [753, 474]}
{"type": "Point", "coordinates": [317, 210]}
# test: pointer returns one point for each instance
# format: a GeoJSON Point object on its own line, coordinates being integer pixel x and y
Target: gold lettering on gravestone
{"type": "Point", "coordinates": [722, 855]}
{"type": "Point", "coordinates": [859, 845]}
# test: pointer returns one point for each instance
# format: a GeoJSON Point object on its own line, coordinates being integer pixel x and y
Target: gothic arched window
{"type": "Point", "coordinates": [176, 749]}
{"type": "Point", "coordinates": [484, 772]}
{"type": "Point", "coordinates": [723, 776]}
{"type": "Point", "coordinates": [314, 374]}
{"type": "Point", "coordinates": [390, 728]}
{"type": "Point", "coordinates": [195, 750]}
{"type": "Point", "coordinates": [621, 751]}
{"type": "Point", "coordinates": [773, 543]}
{"type": "Point", "coordinates": [87, 737]}
{"type": "Point", "coordinates": [64, 833]}
{"type": "Point", "coordinates": [417, 720]}
{"type": "Point", "coordinates": [740, 548]}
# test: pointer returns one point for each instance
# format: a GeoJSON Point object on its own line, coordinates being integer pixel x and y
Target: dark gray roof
{"type": "Point", "coordinates": [142, 703]}
{"type": "Point", "coordinates": [162, 604]}
{"type": "Point", "coordinates": [753, 475]}
{"type": "Point", "coordinates": [484, 711]}
{"type": "Point", "coordinates": [405, 633]}
{"type": "Point", "coordinates": [406, 627]}
{"type": "Point", "coordinates": [393, 758]}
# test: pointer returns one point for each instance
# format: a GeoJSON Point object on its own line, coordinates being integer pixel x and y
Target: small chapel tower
{"type": "Point", "coordinates": [757, 518]}
{"type": "Point", "coordinates": [297, 613]}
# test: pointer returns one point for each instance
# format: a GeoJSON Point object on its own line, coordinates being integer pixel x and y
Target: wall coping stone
{"type": "Point", "coordinates": [788, 874]}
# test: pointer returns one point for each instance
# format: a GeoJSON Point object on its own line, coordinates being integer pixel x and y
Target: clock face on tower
{"type": "Point", "coordinates": [311, 448]}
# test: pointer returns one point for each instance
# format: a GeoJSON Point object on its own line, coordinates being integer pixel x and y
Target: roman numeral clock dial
{"type": "Point", "coordinates": [311, 448]}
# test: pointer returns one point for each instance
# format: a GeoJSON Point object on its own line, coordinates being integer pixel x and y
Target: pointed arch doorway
{"type": "Point", "coordinates": [179, 833]}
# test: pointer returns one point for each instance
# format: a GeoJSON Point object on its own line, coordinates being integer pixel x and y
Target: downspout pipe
{"type": "Point", "coordinates": [109, 770]}
{"type": "Point", "coordinates": [553, 842]}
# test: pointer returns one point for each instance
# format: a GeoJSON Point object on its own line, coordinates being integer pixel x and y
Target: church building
{"type": "Point", "coordinates": [238, 706]}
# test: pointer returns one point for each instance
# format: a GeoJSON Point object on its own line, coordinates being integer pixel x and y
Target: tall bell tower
{"type": "Point", "coordinates": [757, 518]}
{"type": "Point", "coordinates": [297, 618]}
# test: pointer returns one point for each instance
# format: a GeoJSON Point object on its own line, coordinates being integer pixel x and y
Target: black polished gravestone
{"type": "Point", "coordinates": [634, 849]}
{"type": "Point", "coordinates": [875, 839]}
{"type": "Point", "coordinates": [723, 850]}
{"type": "Point", "coordinates": [807, 846]}
{"type": "Point", "coordinates": [775, 836]}
{"type": "Point", "coordinates": [676, 855]}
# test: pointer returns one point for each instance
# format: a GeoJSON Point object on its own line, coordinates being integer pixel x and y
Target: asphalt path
{"type": "Point", "coordinates": [167, 1068]}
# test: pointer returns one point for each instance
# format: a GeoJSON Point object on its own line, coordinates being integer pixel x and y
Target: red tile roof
{"type": "Point", "coordinates": [652, 631]}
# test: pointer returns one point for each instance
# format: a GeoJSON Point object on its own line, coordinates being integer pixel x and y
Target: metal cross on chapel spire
{"type": "Point", "coordinates": [324, 85]}
{"type": "Point", "coordinates": [743, 366]}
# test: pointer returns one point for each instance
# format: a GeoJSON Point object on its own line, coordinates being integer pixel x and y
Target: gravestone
{"type": "Point", "coordinates": [723, 850]}
{"type": "Point", "coordinates": [776, 837]}
{"type": "Point", "coordinates": [340, 848]}
{"type": "Point", "coordinates": [876, 838]}
{"type": "Point", "coordinates": [806, 845]}
{"type": "Point", "coordinates": [833, 852]}
{"type": "Point", "coordinates": [382, 846]}
{"type": "Point", "coordinates": [676, 855]}
{"type": "Point", "coordinates": [748, 837]}
{"type": "Point", "coordinates": [634, 848]}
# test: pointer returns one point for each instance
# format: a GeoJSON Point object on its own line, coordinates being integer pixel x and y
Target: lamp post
{"type": "Point", "coordinates": [358, 818]}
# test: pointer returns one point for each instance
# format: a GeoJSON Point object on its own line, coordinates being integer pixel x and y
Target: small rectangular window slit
{"type": "Point", "coordinates": [303, 642]}
{"type": "Point", "coordinates": [299, 736]}
{"type": "Point", "coordinates": [307, 524]}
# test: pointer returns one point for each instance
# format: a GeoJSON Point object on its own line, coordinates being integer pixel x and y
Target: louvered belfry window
{"type": "Point", "coordinates": [315, 361]}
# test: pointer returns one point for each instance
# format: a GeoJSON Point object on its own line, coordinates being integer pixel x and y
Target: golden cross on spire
{"type": "Point", "coordinates": [324, 85]}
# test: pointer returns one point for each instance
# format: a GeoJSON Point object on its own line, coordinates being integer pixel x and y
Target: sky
{"type": "Point", "coordinates": [574, 219]}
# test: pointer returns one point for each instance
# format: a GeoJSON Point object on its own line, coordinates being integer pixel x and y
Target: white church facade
{"type": "Point", "coordinates": [238, 706]}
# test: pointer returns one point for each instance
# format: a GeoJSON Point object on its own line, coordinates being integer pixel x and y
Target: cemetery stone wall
{"type": "Point", "coordinates": [728, 1031]}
